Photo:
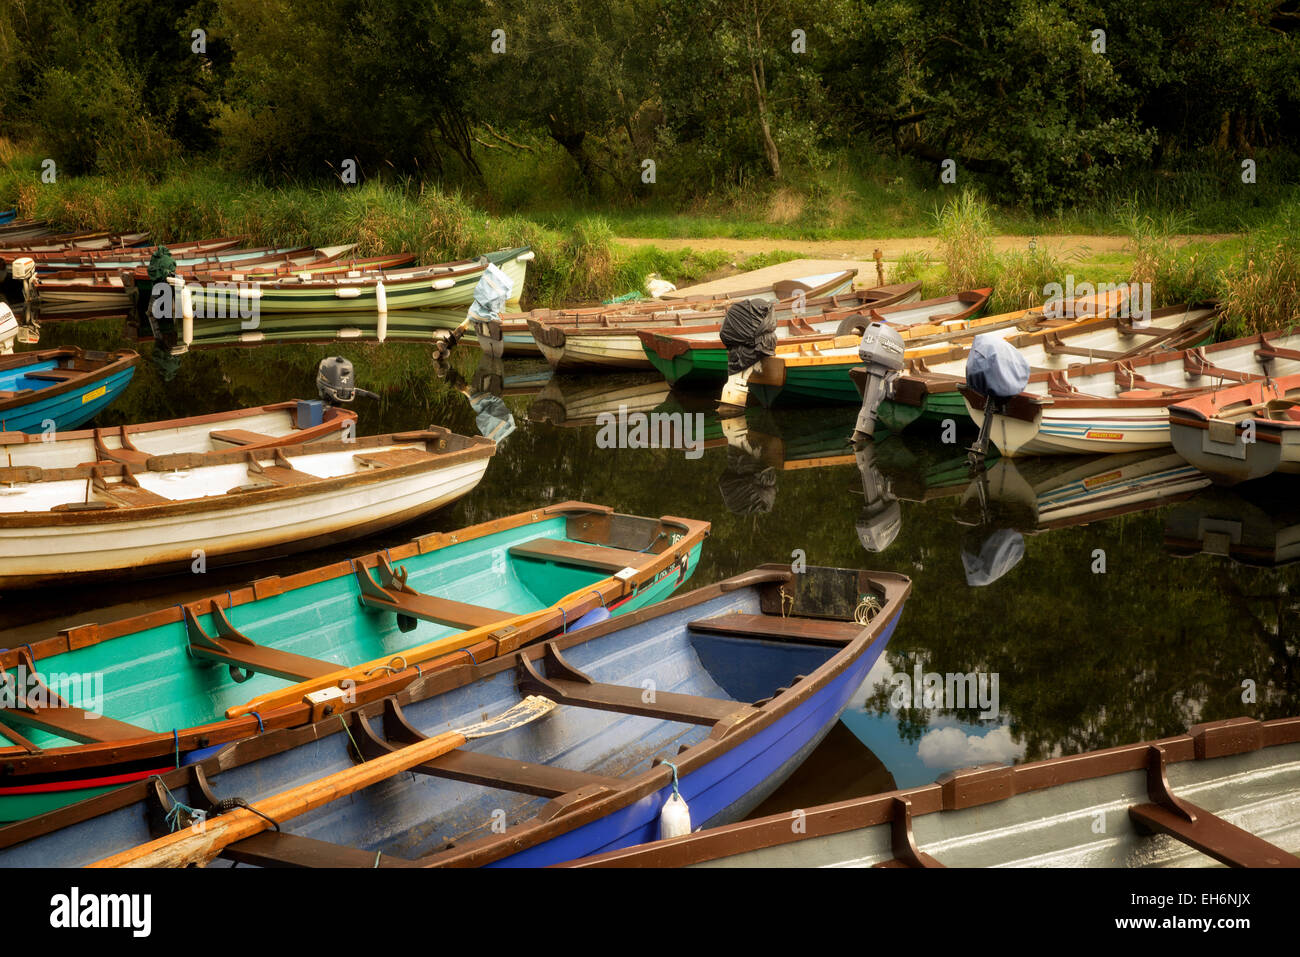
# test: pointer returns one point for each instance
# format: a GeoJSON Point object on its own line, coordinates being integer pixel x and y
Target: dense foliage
{"type": "Point", "coordinates": [1048, 101]}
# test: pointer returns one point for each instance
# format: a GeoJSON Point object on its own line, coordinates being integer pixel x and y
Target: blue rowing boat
{"type": "Point", "coordinates": [717, 695]}
{"type": "Point", "coordinates": [7, 216]}
{"type": "Point", "coordinates": [66, 387]}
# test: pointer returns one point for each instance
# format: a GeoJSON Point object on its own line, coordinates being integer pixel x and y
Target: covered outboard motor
{"type": "Point", "coordinates": [882, 517]}
{"type": "Point", "coordinates": [749, 333]}
{"type": "Point", "coordinates": [336, 383]}
{"type": "Point", "coordinates": [881, 351]}
{"type": "Point", "coordinates": [986, 557]}
{"type": "Point", "coordinates": [998, 372]}
{"type": "Point", "coordinates": [490, 298]}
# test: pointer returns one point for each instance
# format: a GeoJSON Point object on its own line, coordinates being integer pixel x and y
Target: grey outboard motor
{"type": "Point", "coordinates": [881, 350]}
{"type": "Point", "coordinates": [998, 372]}
{"type": "Point", "coordinates": [336, 383]}
{"type": "Point", "coordinates": [882, 517]}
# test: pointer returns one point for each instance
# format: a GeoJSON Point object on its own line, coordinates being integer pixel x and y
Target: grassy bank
{"type": "Point", "coordinates": [1256, 275]}
{"type": "Point", "coordinates": [576, 261]}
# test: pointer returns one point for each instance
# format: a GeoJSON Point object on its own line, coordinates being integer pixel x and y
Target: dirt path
{"type": "Point", "coordinates": [863, 249]}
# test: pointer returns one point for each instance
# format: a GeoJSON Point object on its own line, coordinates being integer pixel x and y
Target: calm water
{"type": "Point", "coordinates": [1105, 620]}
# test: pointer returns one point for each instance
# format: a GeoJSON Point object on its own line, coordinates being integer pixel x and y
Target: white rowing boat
{"type": "Point", "coordinates": [174, 511]}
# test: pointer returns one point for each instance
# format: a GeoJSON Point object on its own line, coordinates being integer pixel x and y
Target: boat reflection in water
{"type": "Point", "coordinates": [1262, 531]}
{"type": "Point", "coordinates": [574, 402]}
{"type": "Point", "coordinates": [1035, 495]}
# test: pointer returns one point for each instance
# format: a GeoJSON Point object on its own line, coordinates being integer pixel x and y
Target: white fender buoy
{"type": "Point", "coordinates": [442, 284]}
{"type": "Point", "coordinates": [675, 817]}
{"type": "Point", "coordinates": [381, 305]}
{"type": "Point", "coordinates": [187, 315]}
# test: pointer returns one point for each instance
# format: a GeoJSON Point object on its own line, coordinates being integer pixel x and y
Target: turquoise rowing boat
{"type": "Point", "coordinates": [59, 389]}
{"type": "Point", "coordinates": [98, 706]}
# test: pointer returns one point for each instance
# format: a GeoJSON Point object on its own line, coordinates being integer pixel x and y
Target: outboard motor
{"type": "Point", "coordinates": [336, 383]}
{"type": "Point", "coordinates": [998, 372]}
{"type": "Point", "coordinates": [8, 329]}
{"type": "Point", "coordinates": [882, 517]}
{"type": "Point", "coordinates": [749, 333]}
{"type": "Point", "coordinates": [881, 350]}
{"type": "Point", "coordinates": [490, 298]}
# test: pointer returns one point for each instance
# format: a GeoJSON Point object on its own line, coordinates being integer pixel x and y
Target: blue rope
{"type": "Point", "coordinates": [260, 726]}
{"type": "Point", "coordinates": [177, 808]}
{"type": "Point", "coordinates": [603, 603]}
{"type": "Point", "coordinates": [471, 655]}
{"type": "Point", "coordinates": [676, 790]}
{"type": "Point", "coordinates": [176, 740]}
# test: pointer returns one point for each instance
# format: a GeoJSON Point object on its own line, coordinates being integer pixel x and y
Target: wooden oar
{"type": "Point", "coordinates": [200, 846]}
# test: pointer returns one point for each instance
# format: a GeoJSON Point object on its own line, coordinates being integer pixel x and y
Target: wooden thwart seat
{"type": "Point", "coordinates": [391, 593]}
{"type": "Point", "coordinates": [54, 375]}
{"type": "Point", "coordinates": [121, 493]}
{"type": "Point", "coordinates": [473, 767]}
{"type": "Point", "coordinates": [564, 552]}
{"type": "Point", "coordinates": [126, 453]}
{"type": "Point", "coordinates": [564, 684]}
{"type": "Point", "coordinates": [1213, 836]}
{"type": "Point", "coordinates": [781, 629]}
{"type": "Point", "coordinates": [1198, 828]}
{"type": "Point", "coordinates": [282, 849]}
{"type": "Point", "coordinates": [232, 648]}
{"type": "Point", "coordinates": [241, 437]}
{"type": "Point", "coordinates": [390, 458]}
{"type": "Point", "coordinates": [49, 712]}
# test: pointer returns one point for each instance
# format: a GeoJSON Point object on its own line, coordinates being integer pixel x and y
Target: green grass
{"type": "Point", "coordinates": [580, 260]}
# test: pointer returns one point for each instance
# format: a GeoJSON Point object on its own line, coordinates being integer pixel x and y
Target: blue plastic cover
{"type": "Point", "coordinates": [996, 368]}
{"type": "Point", "coordinates": [491, 294]}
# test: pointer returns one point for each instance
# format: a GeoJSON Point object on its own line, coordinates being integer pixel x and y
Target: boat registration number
{"type": "Point", "coordinates": [1104, 435]}
{"type": "Point", "coordinates": [92, 396]}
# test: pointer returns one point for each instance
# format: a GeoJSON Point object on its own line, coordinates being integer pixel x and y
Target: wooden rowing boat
{"type": "Point", "coordinates": [14, 248]}
{"type": "Point", "coordinates": [1123, 405]}
{"type": "Point", "coordinates": [406, 325]}
{"type": "Point", "coordinates": [929, 387]}
{"type": "Point", "coordinates": [813, 295]}
{"type": "Point", "coordinates": [604, 341]}
{"type": "Point", "coordinates": [443, 285]}
{"type": "Point", "coordinates": [162, 512]}
{"type": "Point", "coordinates": [1242, 432]}
{"type": "Point", "coordinates": [715, 694]}
{"type": "Point", "coordinates": [1242, 774]}
{"type": "Point", "coordinates": [115, 286]}
{"type": "Point", "coordinates": [57, 389]}
{"type": "Point", "coordinates": [24, 229]}
{"type": "Point", "coordinates": [260, 427]}
{"type": "Point", "coordinates": [820, 371]}
{"type": "Point", "coordinates": [696, 357]}
{"type": "Point", "coordinates": [240, 663]}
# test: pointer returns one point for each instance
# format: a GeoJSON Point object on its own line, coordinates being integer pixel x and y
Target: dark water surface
{"type": "Point", "coordinates": [1193, 618]}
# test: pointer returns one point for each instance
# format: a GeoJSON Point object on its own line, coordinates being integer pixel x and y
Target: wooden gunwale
{"type": "Point", "coordinates": [17, 760]}
{"type": "Point", "coordinates": [956, 790]}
